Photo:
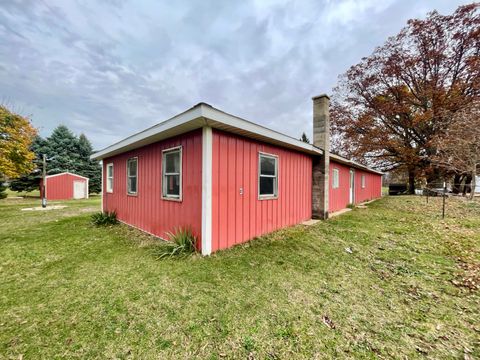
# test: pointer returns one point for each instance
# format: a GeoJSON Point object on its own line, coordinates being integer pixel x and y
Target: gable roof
{"type": "Point", "coordinates": [204, 114]}
{"type": "Point", "coordinates": [198, 116]}
{"type": "Point", "coordinates": [66, 173]}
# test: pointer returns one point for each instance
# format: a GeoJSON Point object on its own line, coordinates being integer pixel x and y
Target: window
{"type": "Point", "coordinates": [335, 179]}
{"type": "Point", "coordinates": [132, 172]}
{"type": "Point", "coordinates": [363, 181]}
{"type": "Point", "coordinates": [172, 174]}
{"type": "Point", "coordinates": [109, 178]}
{"type": "Point", "coordinates": [268, 176]}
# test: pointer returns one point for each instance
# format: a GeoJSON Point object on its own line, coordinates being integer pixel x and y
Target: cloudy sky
{"type": "Point", "coordinates": [112, 68]}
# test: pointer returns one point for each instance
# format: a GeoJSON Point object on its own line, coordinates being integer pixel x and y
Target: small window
{"type": "Point", "coordinates": [335, 179]}
{"type": "Point", "coordinates": [109, 178]}
{"type": "Point", "coordinates": [172, 174]}
{"type": "Point", "coordinates": [268, 176]}
{"type": "Point", "coordinates": [363, 181]}
{"type": "Point", "coordinates": [132, 172]}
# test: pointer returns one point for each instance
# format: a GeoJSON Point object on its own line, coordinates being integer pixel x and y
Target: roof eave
{"type": "Point", "coordinates": [197, 117]}
{"type": "Point", "coordinates": [354, 164]}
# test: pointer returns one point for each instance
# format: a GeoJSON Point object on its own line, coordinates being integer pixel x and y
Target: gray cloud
{"type": "Point", "coordinates": [112, 68]}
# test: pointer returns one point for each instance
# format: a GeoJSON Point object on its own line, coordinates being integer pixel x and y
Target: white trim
{"type": "Point", "coordinates": [345, 161]}
{"type": "Point", "coordinates": [101, 188]}
{"type": "Point", "coordinates": [106, 187]}
{"type": "Point", "coordinates": [87, 189]}
{"type": "Point", "coordinates": [276, 176]}
{"type": "Point", "coordinates": [207, 156]}
{"type": "Point", "coordinates": [66, 173]}
{"type": "Point", "coordinates": [197, 117]}
{"type": "Point", "coordinates": [335, 178]}
{"type": "Point", "coordinates": [180, 195]}
{"type": "Point", "coordinates": [351, 186]}
{"type": "Point", "coordinates": [136, 177]}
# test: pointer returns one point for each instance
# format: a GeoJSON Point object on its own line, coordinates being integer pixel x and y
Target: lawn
{"type": "Point", "coordinates": [406, 289]}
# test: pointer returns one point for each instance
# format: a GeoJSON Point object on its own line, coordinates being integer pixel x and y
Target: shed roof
{"type": "Point", "coordinates": [66, 173]}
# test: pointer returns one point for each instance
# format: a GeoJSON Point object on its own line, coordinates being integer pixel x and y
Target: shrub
{"type": "Point", "coordinates": [182, 242]}
{"type": "Point", "coordinates": [3, 193]}
{"type": "Point", "coordinates": [105, 218]}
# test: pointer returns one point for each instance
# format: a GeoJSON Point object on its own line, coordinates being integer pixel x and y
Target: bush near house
{"type": "Point", "coordinates": [389, 281]}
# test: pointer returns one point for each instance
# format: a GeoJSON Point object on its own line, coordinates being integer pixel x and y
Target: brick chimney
{"type": "Point", "coordinates": [321, 164]}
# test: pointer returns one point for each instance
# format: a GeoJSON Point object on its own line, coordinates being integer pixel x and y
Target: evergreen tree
{"type": "Point", "coordinates": [66, 153]}
{"type": "Point", "coordinates": [89, 168]}
{"type": "Point", "coordinates": [31, 181]}
{"type": "Point", "coordinates": [63, 151]}
{"type": "Point", "coordinates": [305, 139]}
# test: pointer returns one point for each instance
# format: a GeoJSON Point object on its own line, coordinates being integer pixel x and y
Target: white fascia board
{"type": "Point", "coordinates": [66, 173]}
{"type": "Point", "coordinates": [250, 127]}
{"type": "Point", "coordinates": [197, 117]}
{"type": "Point", "coordinates": [129, 142]}
{"type": "Point", "coordinates": [354, 164]}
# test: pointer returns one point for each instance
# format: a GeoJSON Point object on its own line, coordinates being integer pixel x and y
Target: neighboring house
{"type": "Point", "coordinates": [228, 179]}
{"type": "Point", "coordinates": [65, 186]}
{"type": "Point", "coordinates": [477, 184]}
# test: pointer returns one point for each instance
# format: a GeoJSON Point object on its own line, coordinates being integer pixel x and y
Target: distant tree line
{"type": "Point", "coordinates": [66, 153]}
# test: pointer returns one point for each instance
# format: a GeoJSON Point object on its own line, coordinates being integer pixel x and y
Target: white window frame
{"type": "Point", "coordinates": [275, 184]}
{"type": "Point", "coordinates": [335, 178]}
{"type": "Point", "coordinates": [109, 187]}
{"type": "Point", "coordinates": [166, 196]}
{"type": "Point", "coordinates": [128, 176]}
{"type": "Point", "coordinates": [364, 181]}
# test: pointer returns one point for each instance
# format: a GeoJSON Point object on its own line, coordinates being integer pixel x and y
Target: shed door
{"type": "Point", "coordinates": [79, 189]}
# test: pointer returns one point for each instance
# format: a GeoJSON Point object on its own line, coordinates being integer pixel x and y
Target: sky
{"type": "Point", "coordinates": [111, 68]}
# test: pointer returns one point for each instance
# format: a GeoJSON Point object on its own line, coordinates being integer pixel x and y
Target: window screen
{"type": "Point", "coordinates": [268, 176]}
{"type": "Point", "coordinates": [363, 181]}
{"type": "Point", "coordinates": [172, 173]}
{"type": "Point", "coordinates": [110, 178]}
{"type": "Point", "coordinates": [132, 175]}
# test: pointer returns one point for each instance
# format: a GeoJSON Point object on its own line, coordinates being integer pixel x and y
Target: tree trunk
{"type": "Point", "coordinates": [411, 182]}
{"type": "Point", "coordinates": [457, 183]}
{"type": "Point", "coordinates": [474, 182]}
{"type": "Point", "coordinates": [468, 184]}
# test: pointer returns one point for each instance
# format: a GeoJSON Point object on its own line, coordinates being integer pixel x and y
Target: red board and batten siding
{"type": "Point", "coordinates": [60, 187]}
{"type": "Point", "coordinates": [147, 210]}
{"type": "Point", "coordinates": [237, 217]}
{"type": "Point", "coordinates": [373, 186]}
{"type": "Point", "coordinates": [339, 198]}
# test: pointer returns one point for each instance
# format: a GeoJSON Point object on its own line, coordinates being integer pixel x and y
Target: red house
{"type": "Point", "coordinates": [65, 186]}
{"type": "Point", "coordinates": [228, 179]}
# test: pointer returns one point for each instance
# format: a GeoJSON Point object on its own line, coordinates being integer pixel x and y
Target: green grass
{"type": "Point", "coordinates": [69, 289]}
{"type": "Point", "coordinates": [32, 194]}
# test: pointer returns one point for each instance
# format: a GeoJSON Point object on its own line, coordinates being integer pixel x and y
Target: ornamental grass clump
{"type": "Point", "coordinates": [105, 218]}
{"type": "Point", "coordinates": [181, 243]}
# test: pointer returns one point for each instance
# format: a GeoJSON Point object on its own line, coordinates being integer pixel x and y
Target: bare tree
{"type": "Point", "coordinates": [458, 149]}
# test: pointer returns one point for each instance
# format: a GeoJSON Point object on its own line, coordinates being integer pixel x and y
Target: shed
{"type": "Point", "coordinates": [65, 186]}
{"type": "Point", "coordinates": [228, 179]}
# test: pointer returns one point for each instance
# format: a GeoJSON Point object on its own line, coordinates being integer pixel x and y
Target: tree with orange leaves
{"type": "Point", "coordinates": [388, 110]}
{"type": "Point", "coordinates": [16, 136]}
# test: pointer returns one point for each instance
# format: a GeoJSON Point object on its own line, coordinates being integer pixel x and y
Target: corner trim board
{"type": "Point", "coordinates": [207, 154]}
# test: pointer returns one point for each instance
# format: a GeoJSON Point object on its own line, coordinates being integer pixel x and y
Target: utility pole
{"type": "Point", "coordinates": [44, 176]}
